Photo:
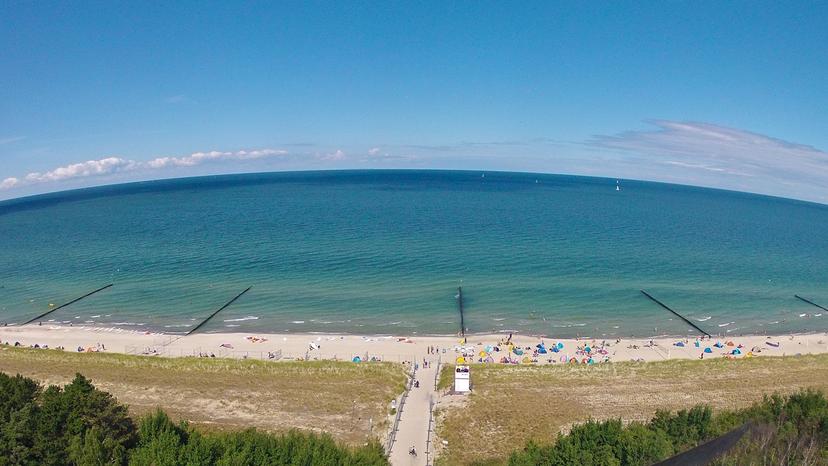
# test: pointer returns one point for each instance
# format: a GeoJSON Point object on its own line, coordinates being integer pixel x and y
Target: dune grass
{"type": "Point", "coordinates": [512, 404]}
{"type": "Point", "coordinates": [335, 397]}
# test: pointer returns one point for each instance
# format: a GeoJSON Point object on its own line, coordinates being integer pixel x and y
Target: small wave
{"type": "Point", "coordinates": [704, 319]}
{"type": "Point", "coordinates": [498, 319]}
{"type": "Point", "coordinates": [726, 324]}
{"type": "Point", "coordinates": [818, 315]}
{"type": "Point", "coordinates": [95, 317]}
{"type": "Point", "coordinates": [242, 319]}
{"type": "Point", "coordinates": [774, 322]}
{"type": "Point", "coordinates": [803, 315]}
{"type": "Point", "coordinates": [129, 324]}
{"type": "Point", "coordinates": [231, 325]}
{"type": "Point", "coordinates": [178, 325]}
{"type": "Point", "coordinates": [297, 321]}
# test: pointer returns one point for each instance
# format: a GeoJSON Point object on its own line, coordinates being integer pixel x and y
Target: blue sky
{"type": "Point", "coordinates": [722, 94]}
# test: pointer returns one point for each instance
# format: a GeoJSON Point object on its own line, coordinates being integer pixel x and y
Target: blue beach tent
{"type": "Point", "coordinates": [708, 350]}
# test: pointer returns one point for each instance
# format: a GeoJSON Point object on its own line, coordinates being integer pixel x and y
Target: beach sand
{"type": "Point", "coordinates": [395, 348]}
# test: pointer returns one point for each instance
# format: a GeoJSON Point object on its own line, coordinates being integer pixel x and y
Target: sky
{"type": "Point", "coordinates": [730, 95]}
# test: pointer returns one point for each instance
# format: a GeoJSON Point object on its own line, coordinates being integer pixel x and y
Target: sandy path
{"type": "Point", "coordinates": [414, 419]}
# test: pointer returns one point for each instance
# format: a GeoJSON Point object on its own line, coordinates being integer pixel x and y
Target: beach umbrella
{"type": "Point", "coordinates": [460, 360]}
{"type": "Point", "coordinates": [559, 346]}
{"type": "Point", "coordinates": [482, 354]}
{"type": "Point", "coordinates": [542, 350]}
{"type": "Point", "coordinates": [356, 359]}
{"type": "Point", "coordinates": [555, 349]}
{"type": "Point", "coordinates": [587, 349]}
{"type": "Point", "coordinates": [708, 350]}
{"type": "Point", "coordinates": [736, 351]}
{"type": "Point", "coordinates": [526, 360]}
{"type": "Point", "coordinates": [679, 344]}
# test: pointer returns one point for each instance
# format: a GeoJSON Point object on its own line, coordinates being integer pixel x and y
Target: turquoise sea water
{"type": "Point", "coordinates": [384, 251]}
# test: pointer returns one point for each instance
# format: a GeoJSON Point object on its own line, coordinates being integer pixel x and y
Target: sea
{"type": "Point", "coordinates": [384, 252]}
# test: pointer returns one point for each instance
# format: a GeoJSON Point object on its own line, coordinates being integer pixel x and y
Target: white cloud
{"type": "Point", "coordinates": [337, 155]}
{"type": "Point", "coordinates": [9, 183]}
{"type": "Point", "coordinates": [111, 165]}
{"type": "Point", "coordinates": [197, 158]}
{"type": "Point", "coordinates": [83, 169]}
{"type": "Point", "coordinates": [374, 151]}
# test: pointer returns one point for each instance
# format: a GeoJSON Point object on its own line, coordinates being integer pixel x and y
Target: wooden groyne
{"type": "Point", "coordinates": [460, 305]}
{"type": "Point", "coordinates": [810, 302]}
{"type": "Point", "coordinates": [674, 312]}
{"type": "Point", "coordinates": [64, 305]}
{"type": "Point", "coordinates": [219, 310]}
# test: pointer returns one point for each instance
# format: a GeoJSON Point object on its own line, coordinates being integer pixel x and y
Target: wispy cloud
{"type": "Point", "coordinates": [177, 99]}
{"type": "Point", "coordinates": [730, 158]}
{"type": "Point", "coordinates": [712, 147]}
{"type": "Point", "coordinates": [11, 139]}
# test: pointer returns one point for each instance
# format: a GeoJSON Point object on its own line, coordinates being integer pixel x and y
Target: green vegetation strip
{"type": "Point", "coordinates": [350, 401]}
{"type": "Point", "coordinates": [511, 405]}
{"type": "Point", "coordinates": [80, 425]}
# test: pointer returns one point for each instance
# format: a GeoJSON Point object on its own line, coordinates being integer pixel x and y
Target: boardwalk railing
{"type": "Point", "coordinates": [429, 444]}
{"type": "Point", "coordinates": [392, 436]}
{"type": "Point", "coordinates": [437, 372]}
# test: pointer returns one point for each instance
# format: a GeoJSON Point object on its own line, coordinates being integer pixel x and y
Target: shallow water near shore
{"type": "Point", "coordinates": [383, 252]}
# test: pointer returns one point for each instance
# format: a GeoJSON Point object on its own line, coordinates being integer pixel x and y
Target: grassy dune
{"type": "Point", "coordinates": [512, 404]}
{"type": "Point", "coordinates": [336, 397]}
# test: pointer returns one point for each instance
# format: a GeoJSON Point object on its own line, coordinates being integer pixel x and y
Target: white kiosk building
{"type": "Point", "coordinates": [461, 379]}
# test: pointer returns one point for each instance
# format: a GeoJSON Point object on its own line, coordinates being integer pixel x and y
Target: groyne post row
{"type": "Point", "coordinates": [219, 310]}
{"type": "Point", "coordinates": [460, 304]}
{"type": "Point", "coordinates": [674, 312]}
{"type": "Point", "coordinates": [64, 305]}
{"type": "Point", "coordinates": [810, 302]}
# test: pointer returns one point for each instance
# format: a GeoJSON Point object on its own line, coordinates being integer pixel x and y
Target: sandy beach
{"type": "Point", "coordinates": [393, 348]}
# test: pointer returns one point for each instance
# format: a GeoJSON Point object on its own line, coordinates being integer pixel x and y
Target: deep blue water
{"type": "Point", "coordinates": [384, 251]}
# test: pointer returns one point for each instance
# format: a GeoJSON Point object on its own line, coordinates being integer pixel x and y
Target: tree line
{"type": "Point", "coordinates": [785, 430]}
{"type": "Point", "coordinates": [81, 425]}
